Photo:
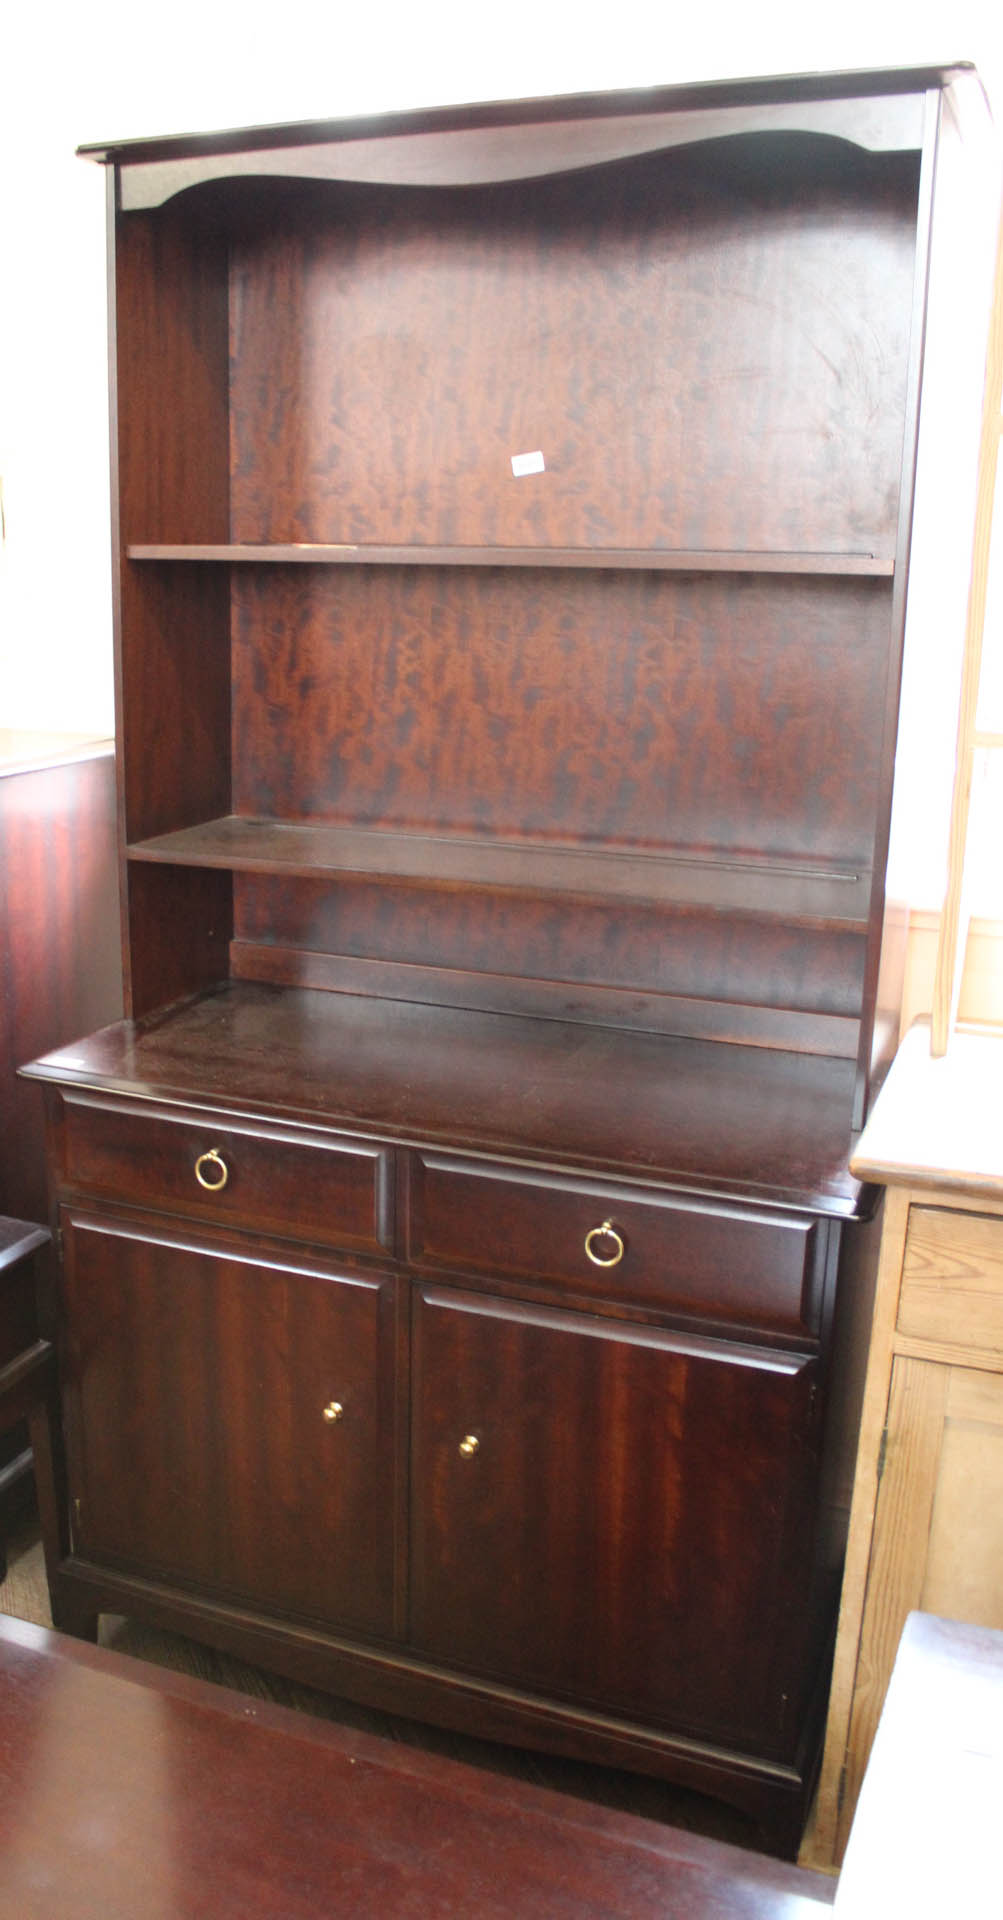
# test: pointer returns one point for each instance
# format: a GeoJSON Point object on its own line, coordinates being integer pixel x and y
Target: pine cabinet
{"type": "Point", "coordinates": [926, 1527]}
{"type": "Point", "coordinates": [512, 535]}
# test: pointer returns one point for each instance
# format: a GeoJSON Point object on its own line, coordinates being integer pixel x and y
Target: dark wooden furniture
{"type": "Point", "coordinates": [513, 529]}
{"type": "Point", "coordinates": [117, 1777]}
{"type": "Point", "coordinates": [29, 1390]}
{"type": "Point", "coordinates": [60, 975]}
{"type": "Point", "coordinates": [60, 971]}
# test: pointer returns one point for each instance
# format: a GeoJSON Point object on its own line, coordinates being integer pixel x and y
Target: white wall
{"type": "Point", "coordinates": [117, 69]}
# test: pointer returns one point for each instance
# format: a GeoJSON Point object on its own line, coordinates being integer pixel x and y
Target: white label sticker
{"type": "Point", "coordinates": [527, 463]}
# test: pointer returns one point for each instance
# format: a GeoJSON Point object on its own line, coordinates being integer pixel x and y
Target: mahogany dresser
{"type": "Point", "coordinates": [512, 535]}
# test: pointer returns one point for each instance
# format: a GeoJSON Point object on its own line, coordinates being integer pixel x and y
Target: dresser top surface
{"type": "Point", "coordinates": [701, 1115]}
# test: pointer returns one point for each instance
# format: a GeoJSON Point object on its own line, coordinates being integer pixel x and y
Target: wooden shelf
{"type": "Point", "coordinates": [804, 889]}
{"type": "Point", "coordinates": [635, 559]}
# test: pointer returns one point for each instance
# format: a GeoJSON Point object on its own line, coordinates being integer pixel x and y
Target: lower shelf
{"type": "Point", "coordinates": [794, 887]}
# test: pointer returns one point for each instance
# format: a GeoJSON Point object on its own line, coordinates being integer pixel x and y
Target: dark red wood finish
{"type": "Point", "coordinates": [747, 1122]}
{"type": "Point", "coordinates": [576, 1550]}
{"type": "Point", "coordinates": [198, 1376]}
{"type": "Point", "coordinates": [169, 303]}
{"type": "Point", "coordinates": [212, 1168]}
{"type": "Point", "coordinates": [564, 293]}
{"type": "Point", "coordinates": [519, 887]}
{"type": "Point", "coordinates": [200, 1796]}
{"type": "Point", "coordinates": [59, 962]}
{"type": "Point", "coordinates": [760, 1271]}
{"type": "Point", "coordinates": [59, 975]}
{"type": "Point", "coordinates": [595, 711]}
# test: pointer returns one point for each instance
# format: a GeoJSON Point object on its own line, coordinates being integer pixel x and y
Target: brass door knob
{"type": "Point", "coordinates": [614, 1249]}
{"type": "Point", "coordinates": [215, 1181]}
{"type": "Point", "coordinates": [334, 1411]}
{"type": "Point", "coordinates": [469, 1445]}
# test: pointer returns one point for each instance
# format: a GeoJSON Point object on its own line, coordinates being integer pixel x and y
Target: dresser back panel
{"type": "Point", "coordinates": [626, 321]}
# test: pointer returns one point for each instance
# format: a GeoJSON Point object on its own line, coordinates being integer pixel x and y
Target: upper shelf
{"type": "Point", "coordinates": [803, 889]}
{"type": "Point", "coordinates": [646, 559]}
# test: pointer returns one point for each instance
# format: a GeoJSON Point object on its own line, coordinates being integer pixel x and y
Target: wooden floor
{"type": "Point", "coordinates": [24, 1595]}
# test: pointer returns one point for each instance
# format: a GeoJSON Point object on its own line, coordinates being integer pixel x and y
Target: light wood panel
{"type": "Point", "coordinates": [952, 1278]}
{"type": "Point", "coordinates": [926, 1524]}
{"type": "Point", "coordinates": [954, 919]}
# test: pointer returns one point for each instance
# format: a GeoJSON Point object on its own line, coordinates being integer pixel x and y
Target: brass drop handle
{"type": "Point", "coordinates": [334, 1411]}
{"type": "Point", "coordinates": [220, 1174]}
{"type": "Point", "coordinates": [469, 1445]}
{"type": "Point", "coordinates": [606, 1232]}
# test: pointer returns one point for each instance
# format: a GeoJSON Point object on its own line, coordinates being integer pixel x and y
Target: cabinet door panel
{"type": "Point", "coordinates": [937, 1543]}
{"type": "Point", "coordinates": [198, 1382]}
{"type": "Point", "coordinates": [611, 1512]}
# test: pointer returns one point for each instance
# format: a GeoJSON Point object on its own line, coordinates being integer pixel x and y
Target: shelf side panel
{"type": "Point", "coordinates": [171, 409]}
{"type": "Point", "coordinates": [172, 368]}
{"type": "Point", "coordinates": [179, 922]}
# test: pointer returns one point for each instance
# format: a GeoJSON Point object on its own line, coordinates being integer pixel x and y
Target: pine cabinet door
{"type": "Point", "coordinates": [612, 1513]}
{"type": "Point", "coordinates": [938, 1527]}
{"type": "Point", "coordinates": [230, 1420]}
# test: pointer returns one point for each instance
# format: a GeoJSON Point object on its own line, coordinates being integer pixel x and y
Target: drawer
{"type": "Point", "coordinates": [952, 1278]}
{"type": "Point", "coordinates": [745, 1266]}
{"type": "Point", "coordinates": [301, 1183]}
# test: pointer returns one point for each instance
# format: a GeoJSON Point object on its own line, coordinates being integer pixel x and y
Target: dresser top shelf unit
{"type": "Point", "coordinates": [513, 522]}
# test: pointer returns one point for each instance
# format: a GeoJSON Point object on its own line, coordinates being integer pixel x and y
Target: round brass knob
{"type": "Point", "coordinates": [334, 1411]}
{"type": "Point", "coordinates": [608, 1233]}
{"type": "Point", "coordinates": [220, 1174]}
{"type": "Point", "coordinates": [469, 1446]}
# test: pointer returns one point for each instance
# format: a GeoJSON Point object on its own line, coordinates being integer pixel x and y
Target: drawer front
{"type": "Point", "coordinates": [648, 1249]}
{"type": "Point", "coordinates": [952, 1278]}
{"type": "Point", "coordinates": [301, 1184]}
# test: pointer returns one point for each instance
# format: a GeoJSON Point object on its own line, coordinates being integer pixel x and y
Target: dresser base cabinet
{"type": "Point", "coordinates": [581, 1508]}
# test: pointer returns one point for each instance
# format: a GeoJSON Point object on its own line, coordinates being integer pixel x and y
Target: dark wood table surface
{"type": "Point", "coordinates": [128, 1790]}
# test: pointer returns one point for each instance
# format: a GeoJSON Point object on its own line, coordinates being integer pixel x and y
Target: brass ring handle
{"type": "Point", "coordinates": [606, 1232]}
{"type": "Point", "coordinates": [334, 1411]}
{"type": "Point", "coordinates": [212, 1159]}
{"type": "Point", "coordinates": [469, 1445]}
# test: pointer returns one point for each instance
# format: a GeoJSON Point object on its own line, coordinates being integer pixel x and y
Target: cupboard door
{"type": "Point", "coordinates": [611, 1512]}
{"type": "Point", "coordinates": [937, 1544]}
{"type": "Point", "coordinates": [230, 1420]}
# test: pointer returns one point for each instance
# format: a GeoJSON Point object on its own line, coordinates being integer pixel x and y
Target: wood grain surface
{"type": "Point", "coordinates": [198, 1794]}
{"type": "Point", "coordinates": [386, 440]}
{"type": "Point", "coordinates": [742, 1120]}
